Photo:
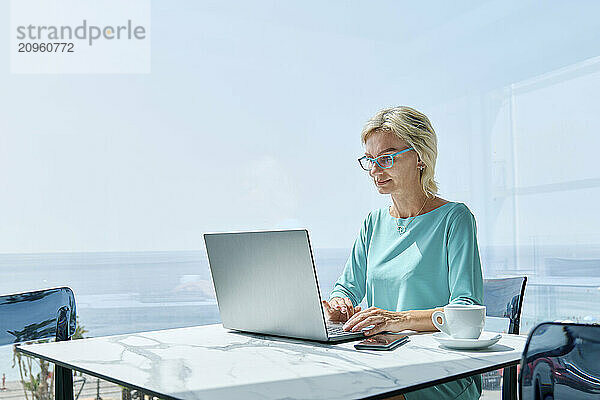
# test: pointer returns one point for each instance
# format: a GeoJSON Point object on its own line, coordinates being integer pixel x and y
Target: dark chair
{"type": "Point", "coordinates": [41, 314]}
{"type": "Point", "coordinates": [503, 298]}
{"type": "Point", "coordinates": [561, 361]}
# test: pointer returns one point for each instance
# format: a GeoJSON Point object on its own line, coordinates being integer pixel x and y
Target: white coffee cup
{"type": "Point", "coordinates": [461, 321]}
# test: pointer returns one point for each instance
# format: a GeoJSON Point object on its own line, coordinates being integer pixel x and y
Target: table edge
{"type": "Point", "coordinates": [442, 380]}
{"type": "Point", "coordinates": [95, 374]}
{"type": "Point", "coordinates": [384, 395]}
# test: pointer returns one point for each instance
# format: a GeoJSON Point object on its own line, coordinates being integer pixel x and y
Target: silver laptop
{"type": "Point", "coordinates": [266, 283]}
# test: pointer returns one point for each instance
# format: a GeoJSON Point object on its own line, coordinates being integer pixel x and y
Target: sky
{"type": "Point", "coordinates": [251, 116]}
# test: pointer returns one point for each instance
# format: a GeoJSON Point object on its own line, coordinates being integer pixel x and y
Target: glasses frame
{"type": "Point", "coordinates": [376, 159]}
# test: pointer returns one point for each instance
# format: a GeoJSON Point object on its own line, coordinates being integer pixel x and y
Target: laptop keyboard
{"type": "Point", "coordinates": [337, 330]}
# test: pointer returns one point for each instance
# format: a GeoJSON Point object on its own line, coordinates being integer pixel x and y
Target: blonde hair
{"type": "Point", "coordinates": [415, 129]}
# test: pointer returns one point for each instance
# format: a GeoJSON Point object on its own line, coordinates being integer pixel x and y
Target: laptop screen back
{"type": "Point", "coordinates": [266, 283]}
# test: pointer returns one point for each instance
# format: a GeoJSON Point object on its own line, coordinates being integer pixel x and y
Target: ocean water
{"type": "Point", "coordinates": [140, 291]}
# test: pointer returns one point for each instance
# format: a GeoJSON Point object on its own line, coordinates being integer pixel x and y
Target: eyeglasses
{"type": "Point", "coordinates": [384, 162]}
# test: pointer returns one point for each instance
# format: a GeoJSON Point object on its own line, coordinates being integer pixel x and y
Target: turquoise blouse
{"type": "Point", "coordinates": [434, 263]}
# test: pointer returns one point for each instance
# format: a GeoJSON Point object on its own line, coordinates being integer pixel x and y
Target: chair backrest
{"type": "Point", "coordinates": [561, 361]}
{"type": "Point", "coordinates": [36, 315]}
{"type": "Point", "coordinates": [504, 298]}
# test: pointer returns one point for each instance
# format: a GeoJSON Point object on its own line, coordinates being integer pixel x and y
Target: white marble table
{"type": "Point", "coordinates": [210, 362]}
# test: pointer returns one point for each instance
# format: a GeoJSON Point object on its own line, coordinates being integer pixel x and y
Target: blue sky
{"type": "Point", "coordinates": [251, 117]}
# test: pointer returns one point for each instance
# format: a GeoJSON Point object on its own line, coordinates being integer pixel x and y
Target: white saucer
{"type": "Point", "coordinates": [485, 340]}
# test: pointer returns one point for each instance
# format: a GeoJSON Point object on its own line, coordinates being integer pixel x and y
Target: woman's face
{"type": "Point", "coordinates": [404, 176]}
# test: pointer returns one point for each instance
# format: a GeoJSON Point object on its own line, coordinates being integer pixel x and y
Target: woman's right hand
{"type": "Point", "coordinates": [339, 309]}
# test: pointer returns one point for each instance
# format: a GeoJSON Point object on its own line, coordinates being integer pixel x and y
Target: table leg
{"type": "Point", "coordinates": [509, 383]}
{"type": "Point", "coordinates": [63, 383]}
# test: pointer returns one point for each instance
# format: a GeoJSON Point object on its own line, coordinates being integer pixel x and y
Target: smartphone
{"type": "Point", "coordinates": [382, 341]}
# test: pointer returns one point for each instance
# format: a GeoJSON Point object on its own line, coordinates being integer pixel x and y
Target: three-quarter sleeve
{"type": "Point", "coordinates": [352, 282]}
{"type": "Point", "coordinates": [465, 278]}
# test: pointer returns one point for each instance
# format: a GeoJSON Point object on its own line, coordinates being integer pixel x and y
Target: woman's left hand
{"type": "Point", "coordinates": [382, 320]}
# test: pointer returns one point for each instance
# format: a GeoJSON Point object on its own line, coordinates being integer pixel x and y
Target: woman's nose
{"type": "Point", "coordinates": [375, 169]}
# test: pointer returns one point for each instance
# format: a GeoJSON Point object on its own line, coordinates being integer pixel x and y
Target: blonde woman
{"type": "Point", "coordinates": [415, 256]}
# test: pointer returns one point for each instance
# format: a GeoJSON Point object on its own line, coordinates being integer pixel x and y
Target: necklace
{"type": "Point", "coordinates": [402, 228]}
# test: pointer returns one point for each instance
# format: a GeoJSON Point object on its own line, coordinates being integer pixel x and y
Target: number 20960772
{"type": "Point", "coordinates": [54, 47]}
